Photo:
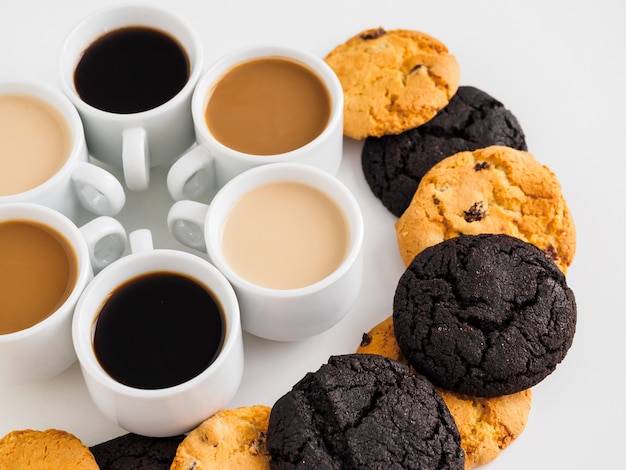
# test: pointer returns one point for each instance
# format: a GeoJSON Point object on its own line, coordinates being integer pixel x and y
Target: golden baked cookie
{"type": "Point", "coordinates": [491, 190]}
{"type": "Point", "coordinates": [392, 80]}
{"type": "Point", "coordinates": [232, 438]}
{"type": "Point", "coordinates": [52, 449]}
{"type": "Point", "coordinates": [486, 425]}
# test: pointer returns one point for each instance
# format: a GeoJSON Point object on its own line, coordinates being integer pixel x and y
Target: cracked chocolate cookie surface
{"type": "Point", "coordinates": [495, 189]}
{"type": "Point", "coordinates": [393, 165]}
{"type": "Point", "coordinates": [485, 315]}
{"type": "Point", "coordinates": [137, 452]}
{"type": "Point", "coordinates": [363, 411]}
{"type": "Point", "coordinates": [392, 80]}
{"type": "Point", "coordinates": [487, 425]}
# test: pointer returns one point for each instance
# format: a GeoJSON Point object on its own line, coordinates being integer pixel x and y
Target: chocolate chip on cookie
{"type": "Point", "coordinates": [392, 80]}
{"type": "Point", "coordinates": [393, 165]}
{"type": "Point", "coordinates": [363, 411]}
{"type": "Point", "coordinates": [484, 315]}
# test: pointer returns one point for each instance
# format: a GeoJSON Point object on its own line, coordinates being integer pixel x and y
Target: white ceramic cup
{"type": "Point", "coordinates": [172, 410]}
{"type": "Point", "coordinates": [45, 349]}
{"type": "Point", "coordinates": [138, 141]}
{"type": "Point", "coordinates": [78, 184]}
{"type": "Point", "coordinates": [210, 164]}
{"type": "Point", "coordinates": [278, 314]}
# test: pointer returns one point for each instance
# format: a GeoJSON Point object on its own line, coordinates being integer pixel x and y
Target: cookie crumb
{"type": "Point", "coordinates": [365, 340]}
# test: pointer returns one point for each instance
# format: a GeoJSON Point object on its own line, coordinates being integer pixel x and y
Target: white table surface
{"type": "Point", "coordinates": [559, 66]}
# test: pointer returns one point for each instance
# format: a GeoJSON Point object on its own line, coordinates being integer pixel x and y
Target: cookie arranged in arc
{"type": "Point", "coordinates": [487, 425]}
{"type": "Point", "coordinates": [393, 165]}
{"type": "Point", "coordinates": [51, 449]}
{"type": "Point", "coordinates": [363, 411]}
{"type": "Point", "coordinates": [484, 315]}
{"type": "Point", "coordinates": [231, 438]}
{"type": "Point", "coordinates": [137, 452]}
{"type": "Point", "coordinates": [392, 80]}
{"type": "Point", "coordinates": [490, 190]}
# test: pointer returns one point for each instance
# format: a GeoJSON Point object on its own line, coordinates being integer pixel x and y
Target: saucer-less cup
{"type": "Point", "coordinates": [74, 184]}
{"type": "Point", "coordinates": [271, 311]}
{"type": "Point", "coordinates": [211, 163]}
{"type": "Point", "coordinates": [45, 349]}
{"type": "Point", "coordinates": [134, 141]}
{"type": "Point", "coordinates": [168, 410]}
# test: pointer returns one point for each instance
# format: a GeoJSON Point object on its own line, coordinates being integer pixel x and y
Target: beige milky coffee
{"type": "Point", "coordinates": [285, 235]}
{"type": "Point", "coordinates": [35, 142]}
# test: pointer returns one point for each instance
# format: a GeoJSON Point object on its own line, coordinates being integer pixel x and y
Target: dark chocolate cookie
{"type": "Point", "coordinates": [393, 165]}
{"type": "Point", "coordinates": [484, 315]}
{"type": "Point", "coordinates": [135, 452]}
{"type": "Point", "coordinates": [363, 411]}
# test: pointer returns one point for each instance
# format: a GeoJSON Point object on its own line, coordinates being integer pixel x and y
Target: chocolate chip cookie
{"type": "Point", "coordinates": [393, 165]}
{"type": "Point", "coordinates": [51, 449]}
{"type": "Point", "coordinates": [392, 80]}
{"type": "Point", "coordinates": [231, 438]}
{"type": "Point", "coordinates": [491, 190]}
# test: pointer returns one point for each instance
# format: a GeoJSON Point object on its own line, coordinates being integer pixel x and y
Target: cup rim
{"type": "Point", "coordinates": [61, 103]}
{"type": "Point", "coordinates": [274, 172]}
{"type": "Point", "coordinates": [219, 68]}
{"type": "Point", "coordinates": [69, 61]}
{"type": "Point", "coordinates": [62, 224]}
{"type": "Point", "coordinates": [126, 268]}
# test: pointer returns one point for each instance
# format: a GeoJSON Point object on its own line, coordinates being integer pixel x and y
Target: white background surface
{"type": "Point", "coordinates": [558, 65]}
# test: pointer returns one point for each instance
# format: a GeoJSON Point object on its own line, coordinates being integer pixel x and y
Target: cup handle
{"type": "Point", "coordinates": [136, 158]}
{"type": "Point", "coordinates": [192, 174]}
{"type": "Point", "coordinates": [141, 241]}
{"type": "Point", "coordinates": [185, 221]}
{"type": "Point", "coordinates": [98, 190]}
{"type": "Point", "coordinates": [106, 240]}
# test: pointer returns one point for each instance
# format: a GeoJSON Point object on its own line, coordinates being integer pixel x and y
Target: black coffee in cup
{"type": "Point", "coordinates": [131, 69]}
{"type": "Point", "coordinates": [158, 330]}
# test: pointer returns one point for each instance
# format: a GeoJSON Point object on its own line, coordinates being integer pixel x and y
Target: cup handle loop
{"type": "Point", "coordinates": [185, 221]}
{"type": "Point", "coordinates": [98, 190]}
{"type": "Point", "coordinates": [106, 240]}
{"type": "Point", "coordinates": [136, 158]}
{"type": "Point", "coordinates": [141, 241]}
{"type": "Point", "coordinates": [192, 174]}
